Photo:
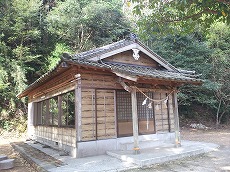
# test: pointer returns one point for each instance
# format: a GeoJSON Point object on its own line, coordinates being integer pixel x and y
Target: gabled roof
{"type": "Point", "coordinates": [121, 46]}
{"type": "Point", "coordinates": [139, 71]}
{"type": "Point", "coordinates": [94, 59]}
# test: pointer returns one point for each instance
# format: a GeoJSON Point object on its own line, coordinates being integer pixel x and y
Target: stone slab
{"type": "Point", "coordinates": [6, 164]}
{"type": "Point", "coordinates": [3, 157]}
{"type": "Point", "coordinates": [111, 163]}
{"type": "Point", "coordinates": [164, 153]}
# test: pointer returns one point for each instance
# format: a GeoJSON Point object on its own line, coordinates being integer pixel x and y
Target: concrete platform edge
{"type": "Point", "coordinates": [28, 158]}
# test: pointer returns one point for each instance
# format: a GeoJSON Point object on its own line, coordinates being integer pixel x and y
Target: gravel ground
{"type": "Point", "coordinates": [216, 161]}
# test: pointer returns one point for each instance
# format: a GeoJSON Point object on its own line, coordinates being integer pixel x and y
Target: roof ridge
{"type": "Point", "coordinates": [100, 50]}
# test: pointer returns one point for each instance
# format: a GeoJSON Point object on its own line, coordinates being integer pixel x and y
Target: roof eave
{"type": "Point", "coordinates": [40, 80]}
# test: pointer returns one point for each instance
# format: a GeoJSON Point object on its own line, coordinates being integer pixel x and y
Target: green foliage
{"type": "Point", "coordinates": [218, 39]}
{"type": "Point", "coordinates": [54, 57]}
{"type": "Point", "coordinates": [16, 124]}
{"type": "Point", "coordinates": [88, 26]}
{"type": "Point", "coordinates": [207, 54]}
{"type": "Point", "coordinates": [34, 33]}
{"type": "Point", "coordinates": [181, 16]}
{"type": "Point", "coordinates": [185, 52]}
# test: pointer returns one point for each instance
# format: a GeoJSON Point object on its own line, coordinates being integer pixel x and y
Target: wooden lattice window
{"type": "Point", "coordinates": [143, 111]}
{"type": "Point", "coordinates": [124, 105]}
{"type": "Point", "coordinates": [124, 114]}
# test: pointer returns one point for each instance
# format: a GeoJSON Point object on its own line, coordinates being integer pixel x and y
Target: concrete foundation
{"type": "Point", "coordinates": [100, 147]}
{"type": "Point", "coordinates": [65, 139]}
{"type": "Point", "coordinates": [58, 138]}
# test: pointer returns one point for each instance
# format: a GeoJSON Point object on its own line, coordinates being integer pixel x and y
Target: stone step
{"type": "Point", "coordinates": [143, 144]}
{"type": "Point", "coordinates": [3, 157]}
{"type": "Point", "coordinates": [6, 164]}
{"type": "Point", "coordinates": [155, 156]}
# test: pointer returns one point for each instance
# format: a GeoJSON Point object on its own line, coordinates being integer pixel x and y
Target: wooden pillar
{"type": "Point", "coordinates": [47, 117]}
{"type": "Point", "coordinates": [78, 118]}
{"type": "Point", "coordinates": [39, 113]}
{"type": "Point", "coordinates": [59, 111]}
{"type": "Point", "coordinates": [30, 124]}
{"type": "Point", "coordinates": [176, 120]}
{"type": "Point", "coordinates": [35, 121]}
{"type": "Point", "coordinates": [135, 120]}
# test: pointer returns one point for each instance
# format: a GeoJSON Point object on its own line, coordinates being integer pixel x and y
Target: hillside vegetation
{"type": "Point", "coordinates": [34, 33]}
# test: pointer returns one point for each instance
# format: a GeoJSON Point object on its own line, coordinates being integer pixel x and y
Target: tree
{"type": "Point", "coordinates": [21, 51]}
{"type": "Point", "coordinates": [34, 33]}
{"type": "Point", "coordinates": [218, 39]}
{"type": "Point", "coordinates": [183, 16]}
{"type": "Point", "coordinates": [86, 25]}
{"type": "Point", "coordinates": [190, 53]}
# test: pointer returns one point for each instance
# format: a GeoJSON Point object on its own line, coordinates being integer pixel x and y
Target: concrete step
{"type": "Point", "coordinates": [143, 144]}
{"type": "Point", "coordinates": [3, 157]}
{"type": "Point", "coordinates": [6, 164]}
{"type": "Point", "coordinates": [155, 155]}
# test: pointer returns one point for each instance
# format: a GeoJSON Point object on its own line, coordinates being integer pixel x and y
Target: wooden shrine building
{"type": "Point", "coordinates": [122, 96]}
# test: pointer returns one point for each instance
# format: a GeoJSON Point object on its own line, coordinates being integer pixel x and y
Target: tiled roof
{"type": "Point", "coordinates": [85, 59]}
{"type": "Point", "coordinates": [141, 71]}
{"type": "Point", "coordinates": [98, 51]}
{"type": "Point", "coordinates": [117, 45]}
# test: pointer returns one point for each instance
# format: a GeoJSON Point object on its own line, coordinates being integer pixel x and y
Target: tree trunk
{"type": "Point", "coordinates": [217, 114]}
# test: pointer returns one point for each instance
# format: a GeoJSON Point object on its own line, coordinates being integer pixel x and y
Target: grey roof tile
{"type": "Point", "coordinates": [142, 71]}
{"type": "Point", "coordinates": [132, 70]}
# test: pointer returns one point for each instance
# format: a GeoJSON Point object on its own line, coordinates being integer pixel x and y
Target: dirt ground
{"type": "Point", "coordinates": [20, 165]}
{"type": "Point", "coordinates": [216, 161]}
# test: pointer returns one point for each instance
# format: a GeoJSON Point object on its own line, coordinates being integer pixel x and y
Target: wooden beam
{"type": "Point", "coordinates": [176, 119]}
{"type": "Point", "coordinates": [135, 121]}
{"type": "Point", "coordinates": [128, 77]}
{"type": "Point", "coordinates": [54, 93]}
{"type": "Point", "coordinates": [123, 84]}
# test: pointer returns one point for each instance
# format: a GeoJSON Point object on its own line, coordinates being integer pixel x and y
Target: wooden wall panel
{"type": "Point", "coordinates": [157, 112]}
{"type": "Point", "coordinates": [127, 57]}
{"type": "Point", "coordinates": [145, 128]}
{"type": "Point", "coordinates": [55, 85]}
{"type": "Point", "coordinates": [125, 128]}
{"type": "Point", "coordinates": [98, 114]}
{"type": "Point", "coordinates": [164, 113]}
{"type": "Point", "coordinates": [64, 136]}
{"type": "Point", "coordinates": [105, 114]}
{"type": "Point", "coordinates": [161, 113]}
{"type": "Point", "coordinates": [100, 80]}
{"type": "Point", "coordinates": [88, 115]}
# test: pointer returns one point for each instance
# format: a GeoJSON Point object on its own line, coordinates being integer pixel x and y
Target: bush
{"type": "Point", "coordinates": [15, 124]}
